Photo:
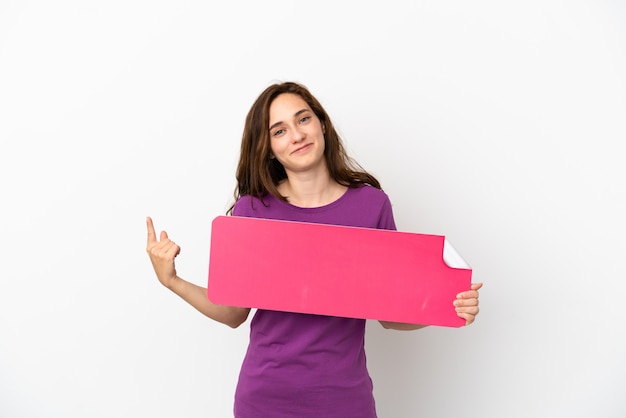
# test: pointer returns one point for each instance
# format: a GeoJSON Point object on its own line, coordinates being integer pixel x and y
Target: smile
{"type": "Point", "coordinates": [302, 148]}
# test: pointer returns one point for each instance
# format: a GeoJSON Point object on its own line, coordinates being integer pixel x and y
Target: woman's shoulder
{"type": "Point", "coordinates": [369, 207]}
{"type": "Point", "coordinates": [248, 205]}
{"type": "Point", "coordinates": [368, 193]}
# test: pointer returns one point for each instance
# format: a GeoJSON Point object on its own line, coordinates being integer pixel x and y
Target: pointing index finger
{"type": "Point", "coordinates": [151, 232]}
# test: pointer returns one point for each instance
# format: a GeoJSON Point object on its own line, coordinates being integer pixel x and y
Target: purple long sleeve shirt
{"type": "Point", "coordinates": [301, 365]}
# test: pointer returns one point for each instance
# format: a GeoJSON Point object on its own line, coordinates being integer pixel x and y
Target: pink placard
{"type": "Point", "coordinates": [333, 270]}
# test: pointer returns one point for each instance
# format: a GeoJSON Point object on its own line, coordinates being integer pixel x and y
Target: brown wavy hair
{"type": "Point", "coordinates": [258, 174]}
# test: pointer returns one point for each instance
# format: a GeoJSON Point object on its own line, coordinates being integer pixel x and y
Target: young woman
{"type": "Point", "coordinates": [294, 167]}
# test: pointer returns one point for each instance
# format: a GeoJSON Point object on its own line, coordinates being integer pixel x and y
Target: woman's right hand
{"type": "Point", "coordinates": [162, 253]}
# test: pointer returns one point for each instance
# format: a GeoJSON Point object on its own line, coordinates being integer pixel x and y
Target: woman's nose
{"type": "Point", "coordinates": [298, 135]}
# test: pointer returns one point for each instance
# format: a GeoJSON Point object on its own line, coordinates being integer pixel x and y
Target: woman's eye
{"type": "Point", "coordinates": [304, 119]}
{"type": "Point", "coordinates": [278, 132]}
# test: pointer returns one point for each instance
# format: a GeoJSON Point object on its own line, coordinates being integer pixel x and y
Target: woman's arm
{"type": "Point", "coordinates": [196, 296]}
{"type": "Point", "coordinates": [401, 326]}
{"type": "Point", "coordinates": [162, 254]}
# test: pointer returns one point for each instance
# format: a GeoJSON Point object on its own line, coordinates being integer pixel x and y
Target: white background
{"type": "Point", "coordinates": [498, 124]}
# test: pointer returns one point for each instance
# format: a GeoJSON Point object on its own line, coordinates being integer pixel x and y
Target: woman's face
{"type": "Point", "coordinates": [296, 135]}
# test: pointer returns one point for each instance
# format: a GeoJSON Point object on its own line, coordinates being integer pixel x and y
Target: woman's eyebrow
{"type": "Point", "coordinates": [299, 112]}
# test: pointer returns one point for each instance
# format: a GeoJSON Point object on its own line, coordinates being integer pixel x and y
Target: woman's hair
{"type": "Point", "coordinates": [258, 174]}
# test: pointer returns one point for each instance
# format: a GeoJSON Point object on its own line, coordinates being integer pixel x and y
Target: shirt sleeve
{"type": "Point", "coordinates": [386, 220]}
{"type": "Point", "coordinates": [243, 207]}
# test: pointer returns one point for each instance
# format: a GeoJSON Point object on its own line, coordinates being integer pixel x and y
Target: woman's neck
{"type": "Point", "coordinates": [310, 191]}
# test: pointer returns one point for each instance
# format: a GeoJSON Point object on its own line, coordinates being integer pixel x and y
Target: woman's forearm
{"type": "Point", "coordinates": [401, 326]}
{"type": "Point", "coordinates": [196, 296]}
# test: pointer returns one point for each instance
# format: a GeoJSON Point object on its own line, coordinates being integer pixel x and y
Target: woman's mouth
{"type": "Point", "coordinates": [302, 148]}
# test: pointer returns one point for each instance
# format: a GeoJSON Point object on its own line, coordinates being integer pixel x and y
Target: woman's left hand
{"type": "Point", "coordinates": [466, 303]}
